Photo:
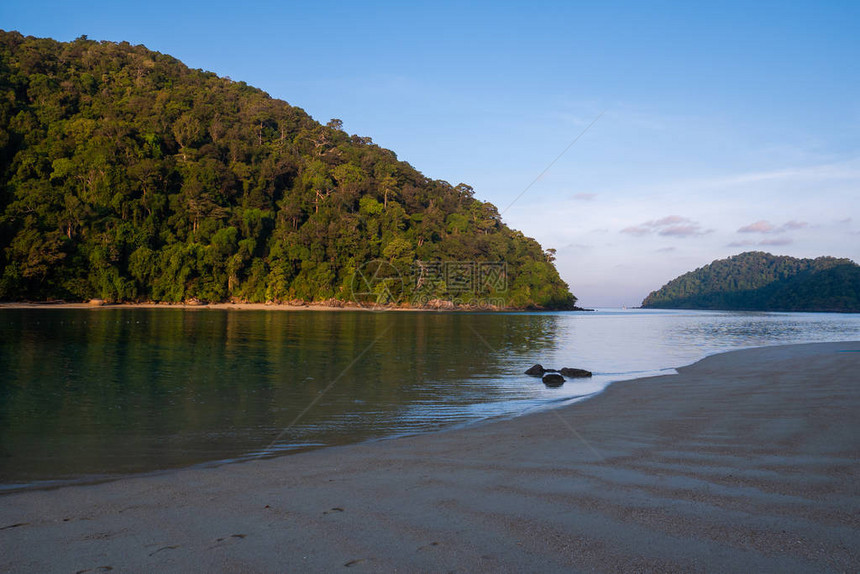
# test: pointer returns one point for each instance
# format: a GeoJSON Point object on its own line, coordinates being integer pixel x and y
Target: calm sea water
{"type": "Point", "coordinates": [98, 392]}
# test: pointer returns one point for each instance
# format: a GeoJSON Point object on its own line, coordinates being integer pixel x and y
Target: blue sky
{"type": "Point", "coordinates": [725, 127]}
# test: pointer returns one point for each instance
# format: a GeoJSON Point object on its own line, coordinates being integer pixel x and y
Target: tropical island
{"type": "Point", "coordinates": [158, 434]}
{"type": "Point", "coordinates": [126, 176]}
{"type": "Point", "coordinates": [757, 281]}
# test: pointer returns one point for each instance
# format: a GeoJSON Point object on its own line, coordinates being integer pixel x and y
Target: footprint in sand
{"type": "Point", "coordinates": [231, 536]}
{"type": "Point", "coordinates": [164, 548]}
{"type": "Point", "coordinates": [220, 541]}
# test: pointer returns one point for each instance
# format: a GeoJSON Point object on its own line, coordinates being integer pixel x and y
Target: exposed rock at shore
{"type": "Point", "coordinates": [539, 371]}
{"type": "Point", "coordinates": [96, 302]}
{"type": "Point", "coordinates": [439, 304]}
{"type": "Point", "coordinates": [536, 371]}
{"type": "Point", "coordinates": [553, 380]}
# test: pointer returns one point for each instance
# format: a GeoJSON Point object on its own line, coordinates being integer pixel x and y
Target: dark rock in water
{"type": "Point", "coordinates": [539, 371]}
{"type": "Point", "coordinates": [575, 373]}
{"type": "Point", "coordinates": [553, 380]}
{"type": "Point", "coordinates": [536, 371]}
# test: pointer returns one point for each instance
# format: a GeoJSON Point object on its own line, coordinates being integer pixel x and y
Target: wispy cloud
{"type": "Point", "coordinates": [828, 171]}
{"type": "Point", "coordinates": [668, 220]}
{"type": "Point", "coordinates": [669, 226]}
{"type": "Point", "coordinates": [682, 231]}
{"type": "Point", "coordinates": [777, 241]}
{"type": "Point", "coordinates": [843, 176]}
{"type": "Point", "coordinates": [584, 196]}
{"type": "Point", "coordinates": [757, 227]}
{"type": "Point", "coordinates": [794, 225]}
{"type": "Point", "coordinates": [769, 242]}
{"type": "Point", "coordinates": [636, 230]}
{"type": "Point", "coordinates": [764, 226]}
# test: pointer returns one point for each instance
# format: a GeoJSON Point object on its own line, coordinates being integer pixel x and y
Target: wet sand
{"type": "Point", "coordinates": [744, 462]}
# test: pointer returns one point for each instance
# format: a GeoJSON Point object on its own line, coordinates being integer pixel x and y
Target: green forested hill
{"type": "Point", "coordinates": [127, 176]}
{"type": "Point", "coordinates": [764, 282]}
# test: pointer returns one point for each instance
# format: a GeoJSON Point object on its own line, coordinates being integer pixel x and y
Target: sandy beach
{"type": "Point", "coordinates": [437, 306]}
{"type": "Point", "coordinates": [744, 462]}
{"type": "Point", "coordinates": [224, 306]}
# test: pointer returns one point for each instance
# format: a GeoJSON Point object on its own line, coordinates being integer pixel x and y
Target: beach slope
{"type": "Point", "coordinates": [743, 462]}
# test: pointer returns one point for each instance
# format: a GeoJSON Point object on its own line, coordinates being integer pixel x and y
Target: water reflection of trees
{"type": "Point", "coordinates": [126, 390]}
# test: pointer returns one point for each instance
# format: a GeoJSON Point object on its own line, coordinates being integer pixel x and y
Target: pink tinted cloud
{"type": "Point", "coordinates": [636, 230]}
{"type": "Point", "coordinates": [669, 220]}
{"type": "Point", "coordinates": [682, 231]}
{"type": "Point", "coordinates": [764, 226]}
{"type": "Point", "coordinates": [584, 196]}
{"type": "Point", "coordinates": [758, 227]}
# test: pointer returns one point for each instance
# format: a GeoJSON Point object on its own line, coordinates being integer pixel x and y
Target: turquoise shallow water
{"type": "Point", "coordinates": [98, 392]}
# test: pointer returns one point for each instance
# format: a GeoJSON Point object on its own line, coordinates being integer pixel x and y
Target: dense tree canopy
{"type": "Point", "coordinates": [764, 282]}
{"type": "Point", "coordinates": [127, 176]}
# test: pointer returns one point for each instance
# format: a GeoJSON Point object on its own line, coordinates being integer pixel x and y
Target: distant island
{"type": "Point", "coordinates": [757, 281]}
{"type": "Point", "coordinates": [126, 176]}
